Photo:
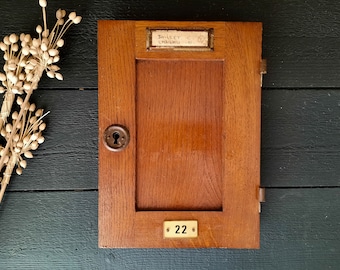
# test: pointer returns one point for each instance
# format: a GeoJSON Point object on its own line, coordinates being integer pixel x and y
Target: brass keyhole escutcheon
{"type": "Point", "coordinates": [116, 138]}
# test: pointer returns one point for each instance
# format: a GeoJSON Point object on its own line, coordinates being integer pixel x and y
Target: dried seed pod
{"type": "Point", "coordinates": [53, 52]}
{"type": "Point", "coordinates": [60, 22]}
{"type": "Point", "coordinates": [77, 20]}
{"type": "Point", "coordinates": [32, 107]}
{"type": "Point", "coordinates": [34, 137]}
{"type": "Point", "coordinates": [21, 79]}
{"type": "Point", "coordinates": [28, 154]}
{"type": "Point", "coordinates": [16, 137]}
{"type": "Point", "coordinates": [42, 126]}
{"type": "Point", "coordinates": [14, 79]}
{"type": "Point", "coordinates": [3, 77]}
{"type": "Point", "coordinates": [6, 40]}
{"type": "Point", "coordinates": [27, 86]}
{"type": "Point", "coordinates": [25, 50]}
{"type": "Point", "coordinates": [15, 115]}
{"type": "Point", "coordinates": [72, 16]}
{"type": "Point", "coordinates": [36, 43]}
{"type": "Point", "coordinates": [33, 119]}
{"type": "Point", "coordinates": [43, 3]}
{"type": "Point", "coordinates": [26, 140]}
{"type": "Point", "coordinates": [39, 112]}
{"type": "Point", "coordinates": [29, 76]}
{"type": "Point", "coordinates": [12, 67]}
{"type": "Point", "coordinates": [45, 56]}
{"type": "Point", "coordinates": [45, 33]}
{"type": "Point", "coordinates": [44, 47]}
{"type": "Point", "coordinates": [19, 101]}
{"type": "Point", "coordinates": [27, 38]}
{"type": "Point", "coordinates": [13, 38]}
{"type": "Point", "coordinates": [33, 51]}
{"type": "Point", "coordinates": [56, 59]}
{"type": "Point", "coordinates": [3, 46]}
{"type": "Point", "coordinates": [60, 43]}
{"type": "Point", "coordinates": [59, 76]}
{"type": "Point", "coordinates": [15, 47]}
{"type": "Point", "coordinates": [58, 14]}
{"type": "Point", "coordinates": [40, 139]}
{"type": "Point", "coordinates": [29, 67]}
{"type": "Point", "coordinates": [34, 145]}
{"type": "Point", "coordinates": [8, 127]}
{"type": "Point", "coordinates": [18, 171]}
{"type": "Point", "coordinates": [63, 12]}
{"type": "Point", "coordinates": [49, 60]}
{"type": "Point", "coordinates": [38, 29]}
{"type": "Point", "coordinates": [20, 144]}
{"type": "Point", "coordinates": [54, 67]}
{"type": "Point", "coordinates": [50, 74]}
{"type": "Point", "coordinates": [23, 163]}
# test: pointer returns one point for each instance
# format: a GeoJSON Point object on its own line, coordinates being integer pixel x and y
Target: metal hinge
{"type": "Point", "coordinates": [263, 68]}
{"type": "Point", "coordinates": [262, 197]}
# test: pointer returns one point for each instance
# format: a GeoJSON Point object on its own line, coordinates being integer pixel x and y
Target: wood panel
{"type": "Point", "coordinates": [179, 127]}
{"type": "Point", "coordinates": [238, 97]}
{"type": "Point", "coordinates": [117, 106]}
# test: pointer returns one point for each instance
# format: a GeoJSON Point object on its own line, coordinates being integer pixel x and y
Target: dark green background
{"type": "Point", "coordinates": [48, 219]}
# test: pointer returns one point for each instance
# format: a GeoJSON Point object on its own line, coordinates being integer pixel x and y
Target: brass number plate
{"type": "Point", "coordinates": [181, 229]}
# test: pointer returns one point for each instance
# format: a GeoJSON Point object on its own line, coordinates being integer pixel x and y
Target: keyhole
{"type": "Point", "coordinates": [115, 136]}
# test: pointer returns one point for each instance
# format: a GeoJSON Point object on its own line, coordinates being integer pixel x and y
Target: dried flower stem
{"type": "Point", "coordinates": [6, 107]}
{"type": "Point", "coordinates": [23, 68]}
{"type": "Point", "coordinates": [9, 167]}
{"type": "Point", "coordinates": [7, 175]}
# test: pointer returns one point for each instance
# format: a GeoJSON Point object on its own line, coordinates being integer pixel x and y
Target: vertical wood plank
{"type": "Point", "coordinates": [116, 100]}
{"type": "Point", "coordinates": [242, 127]}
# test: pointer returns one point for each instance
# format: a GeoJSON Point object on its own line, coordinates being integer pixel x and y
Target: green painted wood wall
{"type": "Point", "coordinates": [48, 219]}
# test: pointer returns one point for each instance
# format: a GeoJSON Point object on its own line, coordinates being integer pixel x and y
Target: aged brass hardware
{"type": "Point", "coordinates": [116, 138]}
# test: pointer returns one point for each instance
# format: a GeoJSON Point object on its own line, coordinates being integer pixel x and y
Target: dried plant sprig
{"type": "Point", "coordinates": [27, 138]}
{"type": "Point", "coordinates": [26, 59]}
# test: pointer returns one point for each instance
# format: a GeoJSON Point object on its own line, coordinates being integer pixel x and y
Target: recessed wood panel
{"type": "Point", "coordinates": [179, 135]}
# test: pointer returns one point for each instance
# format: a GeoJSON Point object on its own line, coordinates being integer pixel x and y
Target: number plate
{"type": "Point", "coordinates": [180, 229]}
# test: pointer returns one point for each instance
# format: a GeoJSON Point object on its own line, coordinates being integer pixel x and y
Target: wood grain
{"type": "Point", "coordinates": [116, 101]}
{"type": "Point", "coordinates": [231, 163]}
{"type": "Point", "coordinates": [179, 127]}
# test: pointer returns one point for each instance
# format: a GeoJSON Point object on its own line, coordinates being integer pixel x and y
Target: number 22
{"type": "Point", "coordinates": [184, 227]}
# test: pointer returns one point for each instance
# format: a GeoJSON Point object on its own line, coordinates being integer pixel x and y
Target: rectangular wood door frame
{"type": "Point", "coordinates": [120, 44]}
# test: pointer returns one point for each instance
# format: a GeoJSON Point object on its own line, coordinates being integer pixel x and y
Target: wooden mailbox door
{"type": "Point", "coordinates": [188, 93]}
